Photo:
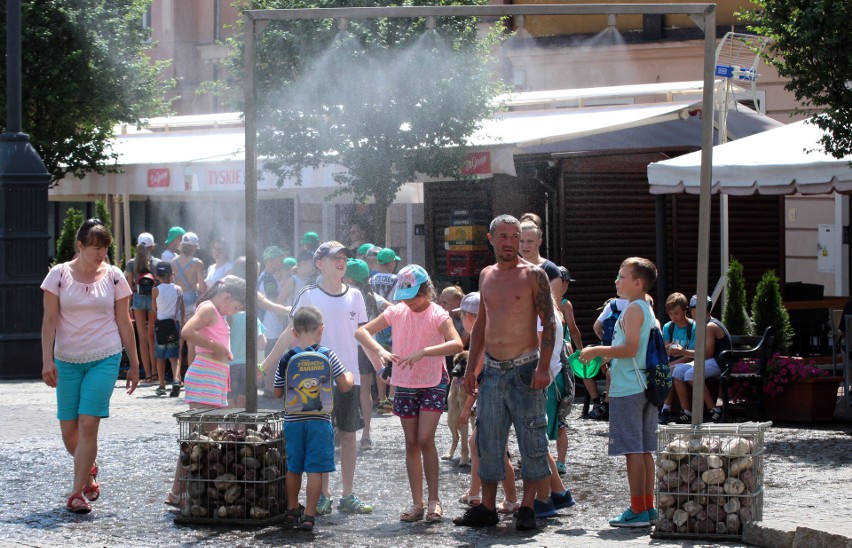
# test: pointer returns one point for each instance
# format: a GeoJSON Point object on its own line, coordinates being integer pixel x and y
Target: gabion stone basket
{"type": "Point", "coordinates": [234, 465]}
{"type": "Point", "coordinates": [709, 479]}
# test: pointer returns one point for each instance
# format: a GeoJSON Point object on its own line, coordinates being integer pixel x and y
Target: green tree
{"type": "Point", "coordinates": [65, 243]}
{"type": "Point", "coordinates": [84, 71]}
{"type": "Point", "coordinates": [735, 316]}
{"type": "Point", "coordinates": [102, 213]}
{"type": "Point", "coordinates": [768, 309]}
{"type": "Point", "coordinates": [813, 48]}
{"type": "Point", "coordinates": [387, 99]}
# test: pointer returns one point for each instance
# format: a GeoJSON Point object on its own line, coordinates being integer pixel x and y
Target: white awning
{"type": "Point", "coordinates": [785, 160]}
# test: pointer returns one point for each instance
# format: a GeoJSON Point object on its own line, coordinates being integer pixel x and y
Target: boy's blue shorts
{"type": "Point", "coordinates": [310, 446]}
{"type": "Point", "coordinates": [85, 388]}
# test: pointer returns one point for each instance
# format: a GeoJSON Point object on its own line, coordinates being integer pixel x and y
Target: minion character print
{"type": "Point", "coordinates": [309, 390]}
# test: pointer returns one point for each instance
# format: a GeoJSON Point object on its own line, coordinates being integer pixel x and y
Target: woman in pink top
{"type": "Point", "coordinates": [423, 335]}
{"type": "Point", "coordinates": [208, 378]}
{"type": "Point", "coordinates": [86, 323]}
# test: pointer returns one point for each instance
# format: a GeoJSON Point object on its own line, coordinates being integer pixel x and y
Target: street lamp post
{"type": "Point", "coordinates": [23, 225]}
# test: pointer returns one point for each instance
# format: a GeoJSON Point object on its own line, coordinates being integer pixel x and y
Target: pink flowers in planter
{"type": "Point", "coordinates": [780, 371]}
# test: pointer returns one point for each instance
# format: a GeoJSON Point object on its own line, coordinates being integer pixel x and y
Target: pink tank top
{"type": "Point", "coordinates": [219, 332]}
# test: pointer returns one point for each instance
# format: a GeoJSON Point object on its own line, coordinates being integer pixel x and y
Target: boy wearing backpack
{"type": "Point", "coordinates": [308, 433]}
{"type": "Point", "coordinates": [633, 424]}
{"type": "Point", "coordinates": [679, 336]}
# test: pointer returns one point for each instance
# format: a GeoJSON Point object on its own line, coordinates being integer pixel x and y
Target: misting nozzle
{"type": "Point", "coordinates": [343, 24]}
{"type": "Point", "coordinates": [611, 20]}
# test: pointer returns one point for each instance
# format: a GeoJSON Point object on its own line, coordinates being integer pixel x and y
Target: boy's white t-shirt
{"type": "Point", "coordinates": [620, 304]}
{"type": "Point", "coordinates": [167, 301]}
{"type": "Point", "coordinates": [342, 314]}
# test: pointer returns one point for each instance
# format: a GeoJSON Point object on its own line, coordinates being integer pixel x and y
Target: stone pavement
{"type": "Point", "coordinates": [807, 502]}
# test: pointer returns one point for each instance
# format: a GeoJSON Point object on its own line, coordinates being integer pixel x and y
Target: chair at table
{"type": "Point", "coordinates": [759, 349]}
{"type": "Point", "coordinates": [837, 342]}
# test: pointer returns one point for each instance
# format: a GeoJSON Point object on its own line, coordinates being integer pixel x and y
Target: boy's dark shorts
{"type": "Point", "coordinates": [347, 410]}
{"type": "Point", "coordinates": [365, 366]}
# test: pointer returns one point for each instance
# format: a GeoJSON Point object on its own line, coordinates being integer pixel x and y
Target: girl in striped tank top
{"type": "Point", "coordinates": [208, 378]}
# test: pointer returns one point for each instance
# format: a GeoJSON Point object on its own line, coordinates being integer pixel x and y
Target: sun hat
{"type": "Point", "coordinates": [289, 262]}
{"type": "Point", "coordinates": [387, 255]}
{"type": "Point", "coordinates": [584, 370]}
{"type": "Point", "coordinates": [146, 239]}
{"type": "Point", "coordinates": [310, 238]}
{"type": "Point", "coordinates": [469, 303]}
{"type": "Point", "coordinates": [357, 270]}
{"type": "Point", "coordinates": [408, 282]}
{"type": "Point", "coordinates": [273, 251]}
{"type": "Point", "coordinates": [163, 268]}
{"type": "Point", "coordinates": [189, 238]}
{"type": "Point", "coordinates": [175, 232]}
{"type": "Point", "coordinates": [364, 248]}
{"type": "Point", "coordinates": [332, 247]}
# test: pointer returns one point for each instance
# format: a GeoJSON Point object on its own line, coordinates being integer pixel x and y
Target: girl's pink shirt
{"type": "Point", "coordinates": [86, 330]}
{"type": "Point", "coordinates": [219, 332]}
{"type": "Point", "coordinates": [413, 331]}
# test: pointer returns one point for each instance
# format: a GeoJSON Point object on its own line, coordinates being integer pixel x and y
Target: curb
{"type": "Point", "coordinates": [766, 535]}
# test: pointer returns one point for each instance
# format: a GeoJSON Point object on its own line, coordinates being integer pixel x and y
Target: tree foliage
{"type": "Point", "coordinates": [65, 243]}
{"type": "Point", "coordinates": [387, 100]}
{"type": "Point", "coordinates": [102, 213]}
{"type": "Point", "coordinates": [84, 71]}
{"type": "Point", "coordinates": [768, 309]}
{"type": "Point", "coordinates": [735, 316]}
{"type": "Point", "coordinates": [813, 48]}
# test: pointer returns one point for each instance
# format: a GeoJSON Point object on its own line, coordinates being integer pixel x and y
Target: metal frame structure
{"type": "Point", "coordinates": [704, 15]}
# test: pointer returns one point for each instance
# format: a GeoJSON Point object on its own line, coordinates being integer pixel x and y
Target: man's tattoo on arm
{"type": "Point", "coordinates": [544, 307]}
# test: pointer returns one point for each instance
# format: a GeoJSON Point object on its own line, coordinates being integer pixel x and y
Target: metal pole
{"type": "Point", "coordinates": [704, 214]}
{"type": "Point", "coordinates": [13, 66]}
{"type": "Point", "coordinates": [251, 218]}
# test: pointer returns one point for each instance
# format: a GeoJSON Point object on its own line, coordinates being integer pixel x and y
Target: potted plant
{"type": "Point", "coordinates": [768, 309]}
{"type": "Point", "coordinates": [735, 317]}
{"type": "Point", "coordinates": [794, 390]}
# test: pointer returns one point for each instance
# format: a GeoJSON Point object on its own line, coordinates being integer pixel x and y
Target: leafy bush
{"type": "Point", "coordinates": [735, 316]}
{"type": "Point", "coordinates": [65, 242]}
{"type": "Point", "coordinates": [102, 213]}
{"type": "Point", "coordinates": [768, 309]}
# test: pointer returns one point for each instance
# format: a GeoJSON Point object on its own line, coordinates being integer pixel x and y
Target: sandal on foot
{"type": "Point", "coordinates": [434, 512]}
{"type": "Point", "coordinates": [470, 500]}
{"type": "Point", "coordinates": [307, 522]}
{"type": "Point", "coordinates": [93, 491]}
{"type": "Point", "coordinates": [293, 517]}
{"type": "Point", "coordinates": [414, 513]}
{"type": "Point", "coordinates": [366, 444]}
{"type": "Point", "coordinates": [506, 507]}
{"type": "Point", "coordinates": [172, 500]}
{"type": "Point", "coordinates": [77, 504]}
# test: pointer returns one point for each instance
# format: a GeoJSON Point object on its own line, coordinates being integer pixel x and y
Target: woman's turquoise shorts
{"type": "Point", "coordinates": [85, 388]}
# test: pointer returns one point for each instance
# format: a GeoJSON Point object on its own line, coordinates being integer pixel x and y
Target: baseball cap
{"type": "Point", "coordinates": [189, 238]}
{"type": "Point", "coordinates": [310, 238]}
{"type": "Point", "coordinates": [146, 239]}
{"type": "Point", "coordinates": [174, 232]}
{"type": "Point", "coordinates": [332, 247]}
{"type": "Point", "coordinates": [364, 248]}
{"type": "Point", "coordinates": [387, 255]}
{"type": "Point", "coordinates": [163, 268]}
{"type": "Point", "coordinates": [357, 270]}
{"type": "Point", "coordinates": [565, 274]}
{"type": "Point", "coordinates": [469, 303]}
{"type": "Point", "coordinates": [273, 251]}
{"type": "Point", "coordinates": [693, 302]}
{"type": "Point", "coordinates": [408, 282]}
{"type": "Point", "coordinates": [289, 262]}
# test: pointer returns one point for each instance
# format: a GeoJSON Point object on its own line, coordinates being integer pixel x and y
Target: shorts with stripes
{"type": "Point", "coordinates": [207, 382]}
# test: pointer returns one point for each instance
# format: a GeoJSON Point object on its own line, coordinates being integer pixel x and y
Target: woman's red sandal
{"type": "Point", "coordinates": [77, 504]}
{"type": "Point", "coordinates": [93, 491]}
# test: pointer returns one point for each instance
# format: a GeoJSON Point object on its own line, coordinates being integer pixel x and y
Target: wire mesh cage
{"type": "Point", "coordinates": [709, 479]}
{"type": "Point", "coordinates": [232, 466]}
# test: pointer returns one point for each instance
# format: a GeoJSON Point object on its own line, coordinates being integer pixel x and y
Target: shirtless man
{"type": "Point", "coordinates": [515, 372]}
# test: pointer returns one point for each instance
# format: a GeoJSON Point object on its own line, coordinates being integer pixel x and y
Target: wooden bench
{"type": "Point", "coordinates": [759, 349]}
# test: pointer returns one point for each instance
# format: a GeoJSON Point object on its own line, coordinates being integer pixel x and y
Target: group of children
{"type": "Point", "coordinates": [345, 323]}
